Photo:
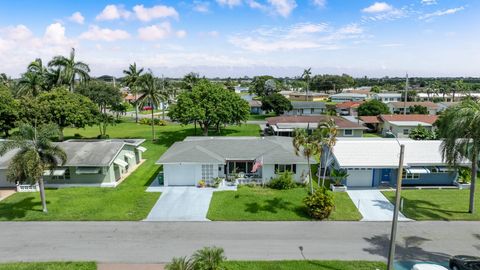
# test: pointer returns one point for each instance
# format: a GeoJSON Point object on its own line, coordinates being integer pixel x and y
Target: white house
{"type": "Point", "coordinates": [307, 108]}
{"type": "Point", "coordinates": [342, 97]}
{"type": "Point", "coordinates": [187, 162]}
{"type": "Point", "coordinates": [388, 97]}
{"type": "Point", "coordinates": [398, 107]}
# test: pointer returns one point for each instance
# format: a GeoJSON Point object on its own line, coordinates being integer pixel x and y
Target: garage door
{"type": "Point", "coordinates": [180, 175]}
{"type": "Point", "coordinates": [359, 178]}
{"type": "Point", "coordinates": [3, 180]}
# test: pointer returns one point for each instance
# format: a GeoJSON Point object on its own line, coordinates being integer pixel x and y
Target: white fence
{"type": "Point", "coordinates": [28, 188]}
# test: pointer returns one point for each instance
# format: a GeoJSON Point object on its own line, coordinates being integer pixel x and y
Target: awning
{"type": "Point", "coordinates": [129, 155]}
{"type": "Point", "coordinates": [444, 169]}
{"type": "Point", "coordinates": [120, 163]}
{"type": "Point", "coordinates": [417, 170]}
{"type": "Point", "coordinates": [87, 170]}
{"type": "Point", "coordinates": [55, 172]}
{"type": "Point", "coordinates": [141, 149]}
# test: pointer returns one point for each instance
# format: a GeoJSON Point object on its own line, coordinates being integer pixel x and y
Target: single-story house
{"type": "Point", "coordinates": [361, 90]}
{"type": "Point", "coordinates": [286, 125]}
{"type": "Point", "coordinates": [445, 105]}
{"type": "Point", "coordinates": [255, 106]}
{"type": "Point", "coordinates": [307, 108]}
{"type": "Point", "coordinates": [301, 96]}
{"type": "Point", "coordinates": [187, 162]}
{"type": "Point", "coordinates": [398, 124]}
{"type": "Point", "coordinates": [397, 107]}
{"type": "Point", "coordinates": [348, 108]}
{"type": "Point", "coordinates": [388, 97]}
{"type": "Point", "coordinates": [342, 97]}
{"type": "Point", "coordinates": [89, 163]}
{"type": "Point", "coordinates": [371, 162]}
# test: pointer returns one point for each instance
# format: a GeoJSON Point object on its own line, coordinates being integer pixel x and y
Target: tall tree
{"type": "Point", "coordinates": [459, 128]}
{"type": "Point", "coordinates": [276, 103]}
{"type": "Point", "coordinates": [263, 85]}
{"type": "Point", "coordinates": [307, 146]}
{"type": "Point", "coordinates": [151, 93]}
{"type": "Point", "coordinates": [132, 80]}
{"type": "Point", "coordinates": [36, 154]}
{"type": "Point", "coordinates": [189, 80]}
{"type": "Point", "coordinates": [9, 108]}
{"type": "Point", "coordinates": [330, 140]}
{"type": "Point", "coordinates": [31, 84]}
{"type": "Point", "coordinates": [70, 69]}
{"type": "Point", "coordinates": [458, 87]}
{"type": "Point", "coordinates": [306, 76]}
{"type": "Point", "coordinates": [372, 108]}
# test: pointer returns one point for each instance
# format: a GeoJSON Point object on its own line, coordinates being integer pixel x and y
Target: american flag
{"type": "Point", "coordinates": [258, 164]}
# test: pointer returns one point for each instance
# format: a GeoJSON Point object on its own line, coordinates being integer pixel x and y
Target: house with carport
{"type": "Point", "coordinates": [398, 107]}
{"type": "Point", "coordinates": [399, 125]}
{"type": "Point", "coordinates": [373, 162]}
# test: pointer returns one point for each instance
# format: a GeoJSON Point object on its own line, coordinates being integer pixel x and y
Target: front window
{"type": "Point", "coordinates": [347, 132]}
{"type": "Point", "coordinates": [406, 131]}
{"type": "Point", "coordinates": [279, 168]}
{"type": "Point", "coordinates": [207, 171]}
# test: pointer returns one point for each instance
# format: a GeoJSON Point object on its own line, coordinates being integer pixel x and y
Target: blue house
{"type": "Point", "coordinates": [371, 162]}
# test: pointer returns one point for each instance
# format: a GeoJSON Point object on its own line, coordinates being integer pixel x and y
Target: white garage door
{"type": "Point", "coordinates": [180, 175]}
{"type": "Point", "coordinates": [3, 180]}
{"type": "Point", "coordinates": [359, 178]}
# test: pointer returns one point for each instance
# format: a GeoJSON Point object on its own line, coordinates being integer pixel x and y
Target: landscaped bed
{"type": "Point", "coordinates": [50, 266]}
{"type": "Point", "coordinates": [128, 201]}
{"type": "Point", "coordinates": [435, 204]}
{"type": "Point", "coordinates": [265, 204]}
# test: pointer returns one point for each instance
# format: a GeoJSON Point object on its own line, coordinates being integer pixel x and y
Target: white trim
{"type": "Point", "coordinates": [417, 170]}
{"type": "Point", "coordinates": [55, 172]}
{"type": "Point", "coordinates": [348, 135]}
{"type": "Point", "coordinates": [141, 149]}
{"type": "Point", "coordinates": [129, 155]}
{"type": "Point", "coordinates": [120, 163]}
{"type": "Point", "coordinates": [87, 170]}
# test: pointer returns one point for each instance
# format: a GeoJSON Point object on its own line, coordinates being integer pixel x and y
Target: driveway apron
{"type": "Point", "coordinates": [373, 205]}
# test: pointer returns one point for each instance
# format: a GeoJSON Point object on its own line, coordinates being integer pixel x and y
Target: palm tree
{"type": "Point", "coordinates": [309, 146]}
{"type": "Point", "coordinates": [31, 83]}
{"type": "Point", "coordinates": [459, 128]}
{"type": "Point", "coordinates": [306, 76]}
{"type": "Point", "coordinates": [36, 154]}
{"type": "Point", "coordinates": [330, 141]}
{"type": "Point", "coordinates": [132, 76]}
{"type": "Point", "coordinates": [208, 258]}
{"type": "Point", "coordinates": [338, 176]}
{"type": "Point", "coordinates": [70, 68]}
{"type": "Point", "coordinates": [181, 263]}
{"type": "Point", "coordinates": [151, 93]}
{"type": "Point", "coordinates": [458, 87]}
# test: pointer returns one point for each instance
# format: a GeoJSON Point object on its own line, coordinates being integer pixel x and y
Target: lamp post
{"type": "Point", "coordinates": [393, 234]}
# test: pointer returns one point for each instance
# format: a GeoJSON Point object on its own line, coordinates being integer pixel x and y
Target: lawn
{"type": "Point", "coordinates": [265, 204]}
{"type": "Point", "coordinates": [260, 117]}
{"type": "Point", "coordinates": [304, 265]}
{"type": "Point", "coordinates": [435, 204]}
{"type": "Point", "coordinates": [128, 201]}
{"type": "Point", "coordinates": [372, 135]}
{"type": "Point", "coordinates": [50, 266]}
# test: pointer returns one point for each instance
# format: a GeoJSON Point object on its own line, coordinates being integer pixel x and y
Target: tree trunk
{"type": "Point", "coordinates": [42, 195]}
{"type": "Point", "coordinates": [153, 126]}
{"type": "Point", "coordinates": [325, 170]}
{"type": "Point", "coordinates": [163, 111]}
{"type": "Point", "coordinates": [195, 127]}
{"type": "Point", "coordinates": [310, 175]}
{"type": "Point", "coordinates": [136, 112]}
{"type": "Point", "coordinates": [205, 129]}
{"type": "Point", "coordinates": [61, 137]}
{"type": "Point", "coordinates": [319, 169]}
{"type": "Point", "coordinates": [471, 207]}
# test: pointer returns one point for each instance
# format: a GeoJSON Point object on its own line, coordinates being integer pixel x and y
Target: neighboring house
{"type": "Point", "coordinates": [361, 90]}
{"type": "Point", "coordinates": [239, 89]}
{"type": "Point", "coordinates": [286, 125]}
{"type": "Point", "coordinates": [388, 97]}
{"type": "Point", "coordinates": [342, 97]}
{"type": "Point", "coordinates": [255, 106]}
{"type": "Point", "coordinates": [187, 162]}
{"type": "Point", "coordinates": [398, 124]}
{"type": "Point", "coordinates": [371, 162]}
{"type": "Point", "coordinates": [307, 108]}
{"type": "Point", "coordinates": [89, 163]}
{"type": "Point", "coordinates": [397, 107]}
{"type": "Point", "coordinates": [348, 108]}
{"type": "Point", "coordinates": [300, 96]}
{"type": "Point", "coordinates": [445, 105]}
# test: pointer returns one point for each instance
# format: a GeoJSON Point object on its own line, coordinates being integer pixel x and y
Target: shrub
{"type": "Point", "coordinates": [77, 136]}
{"type": "Point", "coordinates": [319, 204]}
{"type": "Point", "coordinates": [283, 181]}
{"type": "Point", "coordinates": [208, 258]}
{"type": "Point", "coordinates": [216, 182]}
{"type": "Point", "coordinates": [156, 121]}
{"type": "Point", "coordinates": [202, 183]}
{"type": "Point", "coordinates": [181, 263]}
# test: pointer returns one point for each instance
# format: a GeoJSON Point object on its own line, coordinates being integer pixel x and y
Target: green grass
{"type": "Point", "coordinates": [265, 204]}
{"type": "Point", "coordinates": [128, 201]}
{"type": "Point", "coordinates": [260, 117]}
{"type": "Point", "coordinates": [149, 112]}
{"type": "Point", "coordinates": [304, 265]}
{"type": "Point", "coordinates": [371, 135]}
{"type": "Point", "coordinates": [435, 204]}
{"type": "Point", "coordinates": [50, 266]}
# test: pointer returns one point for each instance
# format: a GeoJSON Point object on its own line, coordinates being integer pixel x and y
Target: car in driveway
{"type": "Point", "coordinates": [428, 266]}
{"type": "Point", "coordinates": [464, 262]}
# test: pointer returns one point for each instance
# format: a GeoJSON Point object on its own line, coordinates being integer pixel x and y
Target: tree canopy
{"type": "Point", "coordinates": [372, 108]}
{"type": "Point", "coordinates": [263, 85]}
{"type": "Point", "coordinates": [276, 103]}
{"type": "Point", "coordinates": [9, 110]}
{"type": "Point", "coordinates": [418, 109]}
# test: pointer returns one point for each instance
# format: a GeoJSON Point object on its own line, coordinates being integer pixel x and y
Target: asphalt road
{"type": "Point", "coordinates": [151, 242]}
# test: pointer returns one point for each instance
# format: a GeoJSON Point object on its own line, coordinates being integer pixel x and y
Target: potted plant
{"type": "Point", "coordinates": [202, 183]}
{"type": "Point", "coordinates": [338, 176]}
{"type": "Point", "coordinates": [463, 180]}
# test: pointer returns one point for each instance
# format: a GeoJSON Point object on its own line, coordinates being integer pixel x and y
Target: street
{"type": "Point", "coordinates": [153, 242]}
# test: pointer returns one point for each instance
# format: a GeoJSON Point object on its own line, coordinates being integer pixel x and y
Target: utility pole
{"type": "Point", "coordinates": [406, 96]}
{"type": "Point", "coordinates": [163, 102]}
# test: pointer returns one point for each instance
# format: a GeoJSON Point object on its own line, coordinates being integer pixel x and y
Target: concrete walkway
{"type": "Point", "coordinates": [373, 205]}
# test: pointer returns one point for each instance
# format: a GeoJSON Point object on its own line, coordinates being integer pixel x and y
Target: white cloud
{"type": "Point", "coordinates": [96, 33]}
{"type": "Point", "coordinates": [283, 7]}
{"type": "Point", "coordinates": [113, 12]}
{"type": "Point", "coordinates": [77, 18]}
{"type": "Point", "coordinates": [229, 3]}
{"type": "Point", "coordinates": [154, 32]}
{"type": "Point", "coordinates": [378, 7]}
{"type": "Point", "coordinates": [156, 12]}
{"type": "Point", "coordinates": [200, 6]}
{"type": "Point", "coordinates": [55, 34]}
{"type": "Point", "coordinates": [309, 28]}
{"type": "Point", "coordinates": [439, 13]}
{"type": "Point", "coordinates": [181, 33]}
{"type": "Point", "coordinates": [319, 3]}
{"type": "Point", "coordinates": [18, 32]}
{"type": "Point", "coordinates": [429, 2]}
{"type": "Point", "coordinates": [351, 29]}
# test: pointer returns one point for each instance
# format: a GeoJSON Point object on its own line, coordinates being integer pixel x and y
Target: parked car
{"type": "Point", "coordinates": [427, 266]}
{"type": "Point", "coordinates": [465, 262]}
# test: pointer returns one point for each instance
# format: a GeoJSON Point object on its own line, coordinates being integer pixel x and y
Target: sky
{"type": "Point", "coordinates": [233, 38]}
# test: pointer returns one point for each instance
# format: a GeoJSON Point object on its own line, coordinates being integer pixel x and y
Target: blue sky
{"type": "Point", "coordinates": [248, 37]}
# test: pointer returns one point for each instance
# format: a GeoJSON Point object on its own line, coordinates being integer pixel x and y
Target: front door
{"type": "Point", "coordinates": [386, 175]}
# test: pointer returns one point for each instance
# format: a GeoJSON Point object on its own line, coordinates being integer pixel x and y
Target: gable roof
{"type": "Point", "coordinates": [427, 104]}
{"type": "Point", "coordinates": [370, 119]}
{"type": "Point", "coordinates": [218, 150]}
{"type": "Point", "coordinates": [384, 152]}
{"type": "Point", "coordinates": [341, 122]}
{"type": "Point", "coordinates": [308, 104]}
{"type": "Point", "coordinates": [255, 103]}
{"type": "Point", "coordinates": [425, 118]}
{"type": "Point", "coordinates": [348, 104]}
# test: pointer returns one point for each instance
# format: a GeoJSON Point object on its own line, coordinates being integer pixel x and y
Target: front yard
{"type": "Point", "coordinates": [128, 201]}
{"type": "Point", "coordinates": [304, 265]}
{"type": "Point", "coordinates": [434, 204]}
{"type": "Point", "coordinates": [265, 204]}
{"type": "Point", "coordinates": [50, 266]}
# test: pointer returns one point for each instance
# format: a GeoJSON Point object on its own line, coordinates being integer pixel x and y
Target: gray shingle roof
{"type": "Point", "coordinates": [274, 150]}
{"type": "Point", "coordinates": [308, 105]}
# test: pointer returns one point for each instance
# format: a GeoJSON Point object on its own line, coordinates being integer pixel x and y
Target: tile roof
{"type": "Point", "coordinates": [339, 121]}
{"type": "Point", "coordinates": [427, 104]}
{"type": "Point", "coordinates": [255, 103]}
{"type": "Point", "coordinates": [430, 119]}
{"type": "Point", "coordinates": [348, 104]}
{"type": "Point", "coordinates": [370, 119]}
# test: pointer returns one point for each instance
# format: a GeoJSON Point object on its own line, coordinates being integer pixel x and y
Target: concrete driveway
{"type": "Point", "coordinates": [373, 205]}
